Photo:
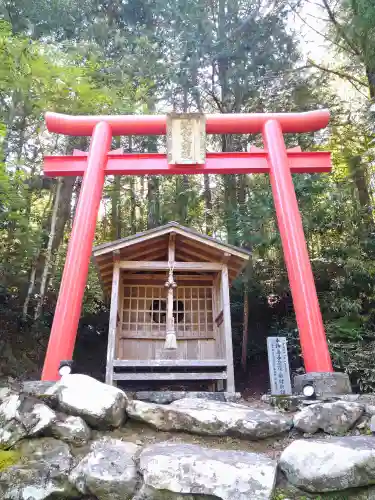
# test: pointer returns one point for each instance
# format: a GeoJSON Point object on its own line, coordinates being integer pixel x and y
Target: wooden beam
{"type": "Point", "coordinates": [211, 243]}
{"type": "Point", "coordinates": [139, 335]}
{"type": "Point", "coordinates": [235, 263]}
{"type": "Point", "coordinates": [180, 232]}
{"type": "Point", "coordinates": [112, 324]}
{"type": "Point", "coordinates": [227, 328]}
{"type": "Point", "coordinates": [208, 252]}
{"type": "Point", "coordinates": [219, 318]}
{"type": "Point", "coordinates": [116, 255]}
{"type": "Point", "coordinates": [184, 253]}
{"type": "Point", "coordinates": [103, 285]}
{"type": "Point", "coordinates": [213, 249]}
{"type": "Point", "coordinates": [171, 376]}
{"type": "Point", "coordinates": [147, 254]}
{"type": "Point", "coordinates": [155, 363]}
{"type": "Point", "coordinates": [225, 258]}
{"type": "Point", "coordinates": [178, 277]}
{"type": "Point", "coordinates": [161, 283]}
{"type": "Point", "coordinates": [170, 294]}
{"type": "Point", "coordinates": [132, 243]}
{"type": "Point", "coordinates": [172, 247]}
{"type": "Point", "coordinates": [127, 252]}
{"type": "Point", "coordinates": [179, 266]}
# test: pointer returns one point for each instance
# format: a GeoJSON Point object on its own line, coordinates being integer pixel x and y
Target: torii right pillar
{"type": "Point", "coordinates": [318, 364]}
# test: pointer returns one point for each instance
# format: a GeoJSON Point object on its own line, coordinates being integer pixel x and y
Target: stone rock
{"type": "Point", "coordinates": [36, 388]}
{"type": "Point", "coordinates": [100, 405]}
{"type": "Point", "coordinates": [363, 423]}
{"type": "Point", "coordinates": [148, 493]}
{"type": "Point", "coordinates": [334, 418]}
{"type": "Point", "coordinates": [5, 392]}
{"type": "Point", "coordinates": [42, 473]}
{"type": "Point", "coordinates": [331, 464]}
{"type": "Point", "coordinates": [71, 430]}
{"type": "Point", "coordinates": [159, 397]}
{"type": "Point", "coordinates": [167, 397]}
{"type": "Point", "coordinates": [213, 418]}
{"type": "Point", "coordinates": [372, 424]}
{"type": "Point", "coordinates": [286, 403]}
{"type": "Point", "coordinates": [21, 416]}
{"type": "Point", "coordinates": [109, 470]}
{"type": "Point", "coordinates": [186, 469]}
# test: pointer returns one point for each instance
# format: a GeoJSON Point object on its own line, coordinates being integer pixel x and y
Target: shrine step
{"type": "Point", "coordinates": [171, 376]}
{"type": "Point", "coordinates": [170, 363]}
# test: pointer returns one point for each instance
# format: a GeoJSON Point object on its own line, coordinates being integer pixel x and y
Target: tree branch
{"type": "Point", "coordinates": [340, 29]}
{"type": "Point", "coordinates": [325, 37]}
{"type": "Point", "coordinates": [339, 73]}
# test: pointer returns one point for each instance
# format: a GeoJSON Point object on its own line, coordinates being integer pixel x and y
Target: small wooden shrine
{"type": "Point", "coordinates": [170, 310]}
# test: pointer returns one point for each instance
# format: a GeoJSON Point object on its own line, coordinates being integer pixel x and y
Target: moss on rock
{"type": "Point", "coordinates": [8, 458]}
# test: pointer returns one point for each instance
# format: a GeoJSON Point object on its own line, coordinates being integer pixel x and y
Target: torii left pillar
{"type": "Point", "coordinates": [275, 160]}
{"type": "Point", "coordinates": [73, 283]}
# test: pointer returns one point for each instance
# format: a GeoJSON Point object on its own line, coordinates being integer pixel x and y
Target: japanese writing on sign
{"type": "Point", "coordinates": [278, 364]}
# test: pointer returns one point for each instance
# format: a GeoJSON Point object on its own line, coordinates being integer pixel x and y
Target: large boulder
{"type": "Point", "coordinates": [71, 429]}
{"type": "Point", "coordinates": [100, 405]}
{"type": "Point", "coordinates": [109, 471]}
{"type": "Point", "coordinates": [5, 392]}
{"type": "Point", "coordinates": [41, 474]}
{"type": "Point", "coordinates": [21, 416]}
{"type": "Point", "coordinates": [213, 418]}
{"type": "Point", "coordinates": [334, 418]}
{"type": "Point", "coordinates": [331, 464]}
{"type": "Point", "coordinates": [185, 469]}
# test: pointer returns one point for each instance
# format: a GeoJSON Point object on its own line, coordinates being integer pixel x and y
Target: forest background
{"type": "Point", "coordinates": [215, 56]}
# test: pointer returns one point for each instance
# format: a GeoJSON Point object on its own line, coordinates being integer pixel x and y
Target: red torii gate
{"type": "Point", "coordinates": [275, 160]}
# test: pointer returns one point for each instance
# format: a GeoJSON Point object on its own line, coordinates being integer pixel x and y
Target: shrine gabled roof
{"type": "Point", "coordinates": [152, 245]}
{"type": "Point", "coordinates": [166, 229]}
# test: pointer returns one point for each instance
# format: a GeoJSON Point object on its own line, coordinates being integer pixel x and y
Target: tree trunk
{"type": "Point", "coordinates": [371, 82]}
{"type": "Point", "coordinates": [153, 202]}
{"type": "Point", "coordinates": [49, 252]}
{"type": "Point", "coordinates": [29, 292]}
{"type": "Point", "coordinates": [142, 203]}
{"type": "Point", "coordinates": [208, 213]}
{"type": "Point", "coordinates": [116, 203]}
{"type": "Point", "coordinates": [230, 188]}
{"type": "Point", "coordinates": [133, 205]}
{"type": "Point", "coordinates": [359, 175]}
{"type": "Point", "coordinates": [65, 209]}
{"type": "Point", "coordinates": [153, 186]}
{"type": "Point", "coordinates": [115, 210]}
{"type": "Point", "coordinates": [207, 194]}
{"type": "Point", "coordinates": [245, 331]}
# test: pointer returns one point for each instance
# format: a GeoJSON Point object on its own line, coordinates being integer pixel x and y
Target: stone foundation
{"type": "Point", "coordinates": [80, 439]}
{"type": "Point", "coordinates": [325, 384]}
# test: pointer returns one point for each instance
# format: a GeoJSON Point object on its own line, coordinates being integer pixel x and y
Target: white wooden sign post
{"type": "Point", "coordinates": [278, 363]}
{"type": "Point", "coordinates": [186, 138]}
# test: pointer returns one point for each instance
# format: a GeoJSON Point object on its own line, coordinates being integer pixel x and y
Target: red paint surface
{"type": "Point", "coordinates": [73, 283]}
{"type": "Point", "coordinates": [230, 123]}
{"type": "Point", "coordinates": [309, 319]}
{"type": "Point", "coordinates": [216, 163]}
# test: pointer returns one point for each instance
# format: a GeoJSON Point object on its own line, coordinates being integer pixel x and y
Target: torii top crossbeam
{"type": "Point", "coordinates": [234, 123]}
{"type": "Point", "coordinates": [275, 159]}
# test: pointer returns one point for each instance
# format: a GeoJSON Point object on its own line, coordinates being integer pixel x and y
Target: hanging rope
{"type": "Point", "coordinates": [170, 339]}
